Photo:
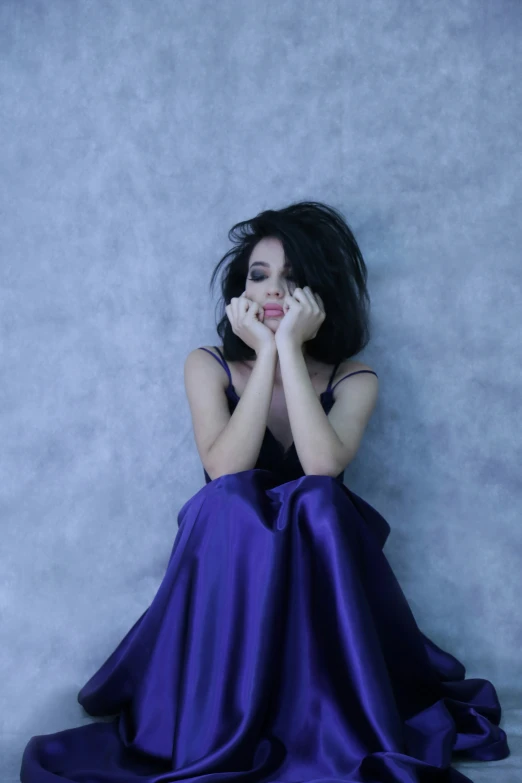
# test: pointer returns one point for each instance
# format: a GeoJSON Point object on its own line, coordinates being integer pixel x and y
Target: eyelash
{"type": "Point", "coordinates": [257, 278]}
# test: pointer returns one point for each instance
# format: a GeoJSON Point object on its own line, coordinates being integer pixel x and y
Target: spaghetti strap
{"type": "Point", "coordinates": [222, 361]}
{"type": "Point", "coordinates": [221, 354]}
{"type": "Point", "coordinates": [332, 376]}
{"type": "Point", "coordinates": [353, 373]}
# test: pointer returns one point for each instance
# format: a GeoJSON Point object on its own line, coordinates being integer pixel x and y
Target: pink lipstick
{"type": "Point", "coordinates": [273, 311]}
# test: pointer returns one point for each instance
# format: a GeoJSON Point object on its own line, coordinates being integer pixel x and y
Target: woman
{"type": "Point", "coordinates": [279, 646]}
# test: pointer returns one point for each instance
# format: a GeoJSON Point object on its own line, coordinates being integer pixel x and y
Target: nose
{"type": "Point", "coordinates": [276, 290]}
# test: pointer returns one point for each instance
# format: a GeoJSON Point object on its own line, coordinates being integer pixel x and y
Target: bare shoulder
{"type": "Point", "coordinates": [356, 394]}
{"type": "Point", "coordinates": [205, 381]}
{"type": "Point", "coordinates": [355, 397]}
{"type": "Point", "coordinates": [351, 366]}
{"type": "Point", "coordinates": [200, 367]}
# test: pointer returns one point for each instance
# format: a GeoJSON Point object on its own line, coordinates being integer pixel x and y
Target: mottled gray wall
{"type": "Point", "coordinates": [132, 136]}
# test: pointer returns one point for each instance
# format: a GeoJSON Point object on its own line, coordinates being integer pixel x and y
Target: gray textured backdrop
{"type": "Point", "coordinates": [132, 136]}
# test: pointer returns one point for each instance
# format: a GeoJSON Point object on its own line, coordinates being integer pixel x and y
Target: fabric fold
{"type": "Point", "coordinates": [278, 647]}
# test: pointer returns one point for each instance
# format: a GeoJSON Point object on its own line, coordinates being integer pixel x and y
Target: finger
{"type": "Point", "coordinates": [243, 303]}
{"type": "Point", "coordinates": [314, 299]}
{"type": "Point", "coordinates": [299, 295]}
{"type": "Point", "coordinates": [238, 304]}
{"type": "Point", "coordinates": [303, 298]}
{"type": "Point", "coordinates": [309, 294]}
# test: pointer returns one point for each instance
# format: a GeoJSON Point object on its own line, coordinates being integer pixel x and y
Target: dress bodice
{"type": "Point", "coordinates": [272, 455]}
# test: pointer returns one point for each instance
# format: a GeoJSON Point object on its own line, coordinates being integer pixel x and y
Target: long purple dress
{"type": "Point", "coordinates": [278, 647]}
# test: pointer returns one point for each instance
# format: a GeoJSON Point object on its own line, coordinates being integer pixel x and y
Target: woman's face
{"type": "Point", "coordinates": [268, 281]}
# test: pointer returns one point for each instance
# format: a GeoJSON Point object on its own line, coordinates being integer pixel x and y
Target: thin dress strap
{"type": "Point", "coordinates": [332, 376]}
{"type": "Point", "coordinates": [353, 373]}
{"type": "Point", "coordinates": [224, 364]}
{"type": "Point", "coordinates": [222, 361]}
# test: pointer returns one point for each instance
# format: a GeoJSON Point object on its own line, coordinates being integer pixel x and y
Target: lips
{"type": "Point", "coordinates": [273, 310]}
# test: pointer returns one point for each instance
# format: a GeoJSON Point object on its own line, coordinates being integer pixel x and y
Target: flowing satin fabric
{"type": "Point", "coordinates": [279, 647]}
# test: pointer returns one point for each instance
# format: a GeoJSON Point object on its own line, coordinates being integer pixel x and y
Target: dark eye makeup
{"type": "Point", "coordinates": [256, 278]}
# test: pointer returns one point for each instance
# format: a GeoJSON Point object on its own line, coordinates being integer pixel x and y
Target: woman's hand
{"type": "Point", "coordinates": [246, 316]}
{"type": "Point", "coordinates": [303, 315]}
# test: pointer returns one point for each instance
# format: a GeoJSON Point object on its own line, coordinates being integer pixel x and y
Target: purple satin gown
{"type": "Point", "coordinates": [279, 647]}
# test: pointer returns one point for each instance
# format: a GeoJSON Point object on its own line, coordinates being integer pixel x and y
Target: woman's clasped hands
{"type": "Point", "coordinates": [303, 315]}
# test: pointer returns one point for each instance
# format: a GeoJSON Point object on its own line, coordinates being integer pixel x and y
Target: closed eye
{"type": "Point", "coordinates": [263, 277]}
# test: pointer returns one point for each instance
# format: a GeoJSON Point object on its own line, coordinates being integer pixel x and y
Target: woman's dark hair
{"type": "Point", "coordinates": [323, 254]}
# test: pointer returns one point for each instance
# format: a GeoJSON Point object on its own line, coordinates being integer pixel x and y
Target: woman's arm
{"type": "Point", "coordinates": [325, 443]}
{"type": "Point", "coordinates": [229, 443]}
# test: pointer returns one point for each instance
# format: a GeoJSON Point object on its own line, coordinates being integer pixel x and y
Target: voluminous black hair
{"type": "Point", "coordinates": [323, 254]}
